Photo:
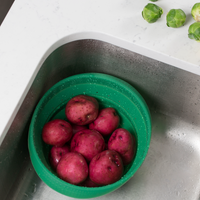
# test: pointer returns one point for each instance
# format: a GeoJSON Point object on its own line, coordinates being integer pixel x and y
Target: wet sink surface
{"type": "Point", "coordinates": [171, 168]}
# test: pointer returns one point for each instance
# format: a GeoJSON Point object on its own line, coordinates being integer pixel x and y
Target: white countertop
{"type": "Point", "coordinates": [32, 27]}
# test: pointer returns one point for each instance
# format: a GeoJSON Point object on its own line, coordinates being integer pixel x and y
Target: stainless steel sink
{"type": "Point", "coordinates": [171, 168]}
{"type": "Point", "coordinates": [4, 8]}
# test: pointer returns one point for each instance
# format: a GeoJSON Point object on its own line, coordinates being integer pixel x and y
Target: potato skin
{"type": "Point", "coordinates": [88, 183]}
{"type": "Point", "coordinates": [82, 109]}
{"type": "Point", "coordinates": [106, 122]}
{"type": "Point", "coordinates": [88, 143]}
{"type": "Point", "coordinates": [56, 153]}
{"type": "Point", "coordinates": [106, 168]}
{"type": "Point", "coordinates": [123, 142]}
{"type": "Point", "coordinates": [77, 128]}
{"type": "Point", "coordinates": [57, 132]}
{"type": "Point", "coordinates": [72, 168]}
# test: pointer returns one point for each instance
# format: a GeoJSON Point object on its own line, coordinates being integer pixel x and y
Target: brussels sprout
{"type": "Point", "coordinates": [194, 31]}
{"type": "Point", "coordinates": [151, 12]}
{"type": "Point", "coordinates": [196, 12]}
{"type": "Point", "coordinates": [175, 18]}
{"type": "Point", "coordinates": [153, 0]}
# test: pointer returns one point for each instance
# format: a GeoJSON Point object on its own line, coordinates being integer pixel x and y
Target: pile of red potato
{"type": "Point", "coordinates": [89, 149]}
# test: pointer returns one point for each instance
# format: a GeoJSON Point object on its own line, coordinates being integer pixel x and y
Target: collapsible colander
{"type": "Point", "coordinates": [110, 92]}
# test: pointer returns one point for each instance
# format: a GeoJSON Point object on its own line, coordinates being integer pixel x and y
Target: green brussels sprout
{"type": "Point", "coordinates": [153, 0]}
{"type": "Point", "coordinates": [175, 18]}
{"type": "Point", "coordinates": [194, 31]}
{"type": "Point", "coordinates": [196, 12]}
{"type": "Point", "coordinates": [151, 12]}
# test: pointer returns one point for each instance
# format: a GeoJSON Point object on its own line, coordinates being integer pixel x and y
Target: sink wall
{"type": "Point", "coordinates": [4, 8]}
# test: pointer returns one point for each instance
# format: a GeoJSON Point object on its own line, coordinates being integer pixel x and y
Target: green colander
{"type": "Point", "coordinates": [110, 92]}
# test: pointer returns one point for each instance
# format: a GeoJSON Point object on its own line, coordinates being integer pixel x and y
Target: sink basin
{"type": "Point", "coordinates": [171, 168]}
{"type": "Point", "coordinates": [4, 8]}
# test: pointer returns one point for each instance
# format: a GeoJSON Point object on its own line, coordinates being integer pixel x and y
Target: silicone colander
{"type": "Point", "coordinates": [110, 92]}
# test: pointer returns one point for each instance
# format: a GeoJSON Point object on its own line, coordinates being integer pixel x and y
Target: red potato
{"type": "Point", "coordinates": [106, 168]}
{"type": "Point", "coordinates": [82, 109]}
{"type": "Point", "coordinates": [88, 143]}
{"type": "Point", "coordinates": [106, 122]}
{"type": "Point", "coordinates": [88, 183]}
{"type": "Point", "coordinates": [72, 168]}
{"type": "Point", "coordinates": [56, 153]}
{"type": "Point", "coordinates": [57, 132]}
{"type": "Point", "coordinates": [123, 142]}
{"type": "Point", "coordinates": [77, 128]}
